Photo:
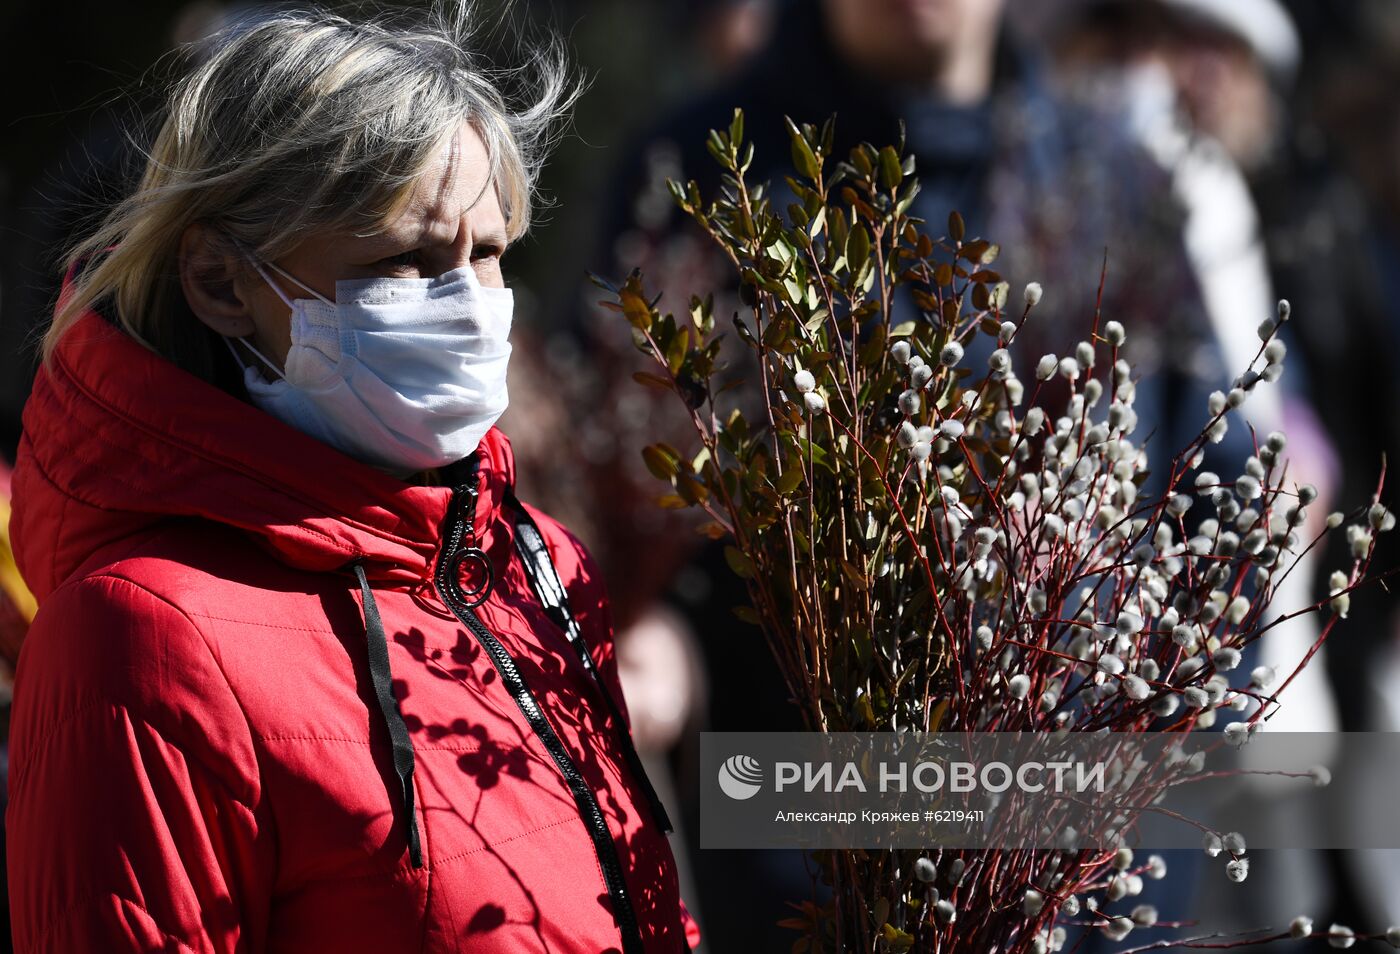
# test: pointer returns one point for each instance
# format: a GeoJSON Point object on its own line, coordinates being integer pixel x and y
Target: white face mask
{"type": "Point", "coordinates": [403, 374]}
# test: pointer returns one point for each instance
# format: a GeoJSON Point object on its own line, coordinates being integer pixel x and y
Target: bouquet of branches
{"type": "Point", "coordinates": [934, 546]}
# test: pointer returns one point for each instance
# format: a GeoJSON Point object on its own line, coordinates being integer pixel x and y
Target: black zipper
{"type": "Point", "coordinates": [549, 591]}
{"type": "Point", "coordinates": [463, 509]}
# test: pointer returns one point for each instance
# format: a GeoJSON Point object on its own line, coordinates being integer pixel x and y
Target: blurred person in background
{"type": "Point", "coordinates": [1331, 208]}
{"type": "Point", "coordinates": [1053, 183]}
{"type": "Point", "coordinates": [1332, 213]}
{"type": "Point", "coordinates": [728, 33]}
{"type": "Point", "coordinates": [1207, 85]}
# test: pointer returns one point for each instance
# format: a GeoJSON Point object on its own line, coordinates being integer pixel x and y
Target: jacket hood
{"type": "Point", "coordinates": [117, 438]}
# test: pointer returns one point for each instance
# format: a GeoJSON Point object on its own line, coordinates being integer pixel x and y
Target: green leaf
{"type": "Point", "coordinates": [634, 305]}
{"type": "Point", "coordinates": [715, 143]}
{"type": "Point", "coordinates": [974, 250]}
{"type": "Point", "coordinates": [909, 670]}
{"type": "Point", "coordinates": [716, 531]}
{"type": "Point", "coordinates": [749, 615]}
{"type": "Point", "coordinates": [775, 333]}
{"type": "Point", "coordinates": [602, 283]}
{"type": "Point", "coordinates": [790, 480]}
{"type": "Point", "coordinates": [730, 480]}
{"type": "Point", "coordinates": [736, 127]}
{"type": "Point", "coordinates": [803, 545]}
{"type": "Point", "coordinates": [745, 335]}
{"type": "Point", "coordinates": [857, 248]}
{"type": "Point", "coordinates": [803, 158]}
{"type": "Point", "coordinates": [906, 199]}
{"type": "Point", "coordinates": [676, 350]}
{"type": "Point", "coordinates": [950, 310]}
{"type": "Point", "coordinates": [891, 174]}
{"type": "Point", "coordinates": [872, 350]}
{"type": "Point", "coordinates": [898, 940]}
{"type": "Point", "coordinates": [863, 709]}
{"type": "Point", "coordinates": [691, 490]}
{"type": "Point", "coordinates": [651, 380]}
{"type": "Point", "coordinates": [740, 562]}
{"type": "Point", "coordinates": [662, 460]}
{"type": "Point", "coordinates": [700, 311]}
{"type": "Point", "coordinates": [863, 159]}
{"type": "Point", "coordinates": [814, 452]}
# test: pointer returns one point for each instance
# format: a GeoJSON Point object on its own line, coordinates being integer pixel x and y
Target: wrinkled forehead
{"type": "Point", "coordinates": [458, 182]}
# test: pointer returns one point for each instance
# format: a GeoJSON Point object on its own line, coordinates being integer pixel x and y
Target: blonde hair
{"type": "Point", "coordinates": [299, 122]}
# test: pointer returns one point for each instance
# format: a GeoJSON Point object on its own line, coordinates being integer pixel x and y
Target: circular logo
{"type": "Point", "coordinates": [740, 777]}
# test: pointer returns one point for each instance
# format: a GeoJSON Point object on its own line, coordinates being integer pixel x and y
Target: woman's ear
{"type": "Point", "coordinates": [210, 268]}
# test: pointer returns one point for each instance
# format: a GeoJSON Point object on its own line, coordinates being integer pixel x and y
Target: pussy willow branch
{"type": "Point", "coordinates": [776, 643]}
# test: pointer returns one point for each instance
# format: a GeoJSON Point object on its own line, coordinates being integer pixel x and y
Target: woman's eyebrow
{"type": "Point", "coordinates": [391, 239]}
{"type": "Point", "coordinates": [491, 236]}
{"type": "Point", "coordinates": [428, 232]}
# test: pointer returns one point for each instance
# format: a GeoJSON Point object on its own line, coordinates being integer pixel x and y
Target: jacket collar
{"type": "Point", "coordinates": [117, 438]}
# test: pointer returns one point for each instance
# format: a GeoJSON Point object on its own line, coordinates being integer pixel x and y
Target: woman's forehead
{"type": "Point", "coordinates": [454, 184]}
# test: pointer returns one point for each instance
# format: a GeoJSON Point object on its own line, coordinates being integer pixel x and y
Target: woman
{"type": "Point", "coordinates": [305, 676]}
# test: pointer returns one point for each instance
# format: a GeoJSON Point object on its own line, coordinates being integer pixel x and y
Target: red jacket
{"type": "Point", "coordinates": [199, 759]}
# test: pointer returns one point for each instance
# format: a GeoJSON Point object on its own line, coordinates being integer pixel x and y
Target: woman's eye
{"type": "Point", "coordinates": [486, 251]}
{"type": "Point", "coordinates": [407, 259]}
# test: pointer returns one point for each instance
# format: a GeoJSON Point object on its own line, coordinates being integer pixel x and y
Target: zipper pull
{"type": "Point", "coordinates": [468, 558]}
{"type": "Point", "coordinates": [466, 494]}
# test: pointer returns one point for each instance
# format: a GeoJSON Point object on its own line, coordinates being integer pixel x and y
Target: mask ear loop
{"type": "Point", "coordinates": [249, 345]}
{"type": "Point", "coordinates": [277, 289]}
{"type": "Point", "coordinates": [258, 264]}
{"type": "Point", "coordinates": [289, 277]}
